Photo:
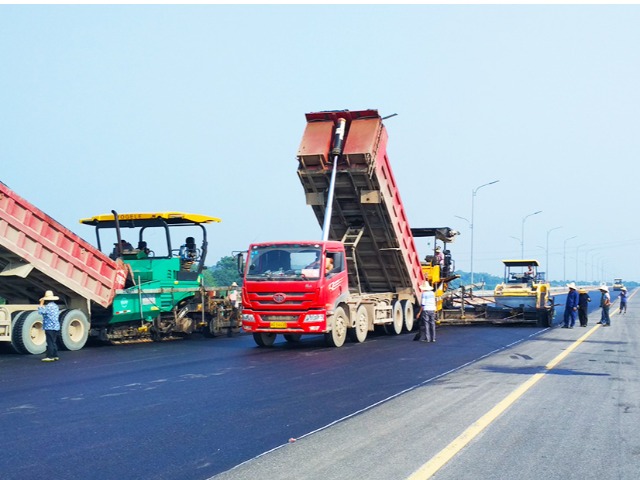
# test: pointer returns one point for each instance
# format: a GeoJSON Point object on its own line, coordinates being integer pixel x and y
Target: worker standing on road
{"type": "Point", "coordinates": [583, 307]}
{"type": "Point", "coordinates": [571, 307]}
{"type": "Point", "coordinates": [623, 300]}
{"type": "Point", "coordinates": [51, 324]}
{"type": "Point", "coordinates": [427, 314]}
{"type": "Point", "coordinates": [232, 296]}
{"type": "Point", "coordinates": [605, 303]}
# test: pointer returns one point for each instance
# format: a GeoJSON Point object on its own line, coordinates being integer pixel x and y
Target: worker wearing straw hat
{"type": "Point", "coordinates": [51, 324]}
{"type": "Point", "coordinates": [605, 303]}
{"type": "Point", "coordinates": [623, 300]}
{"type": "Point", "coordinates": [571, 307]}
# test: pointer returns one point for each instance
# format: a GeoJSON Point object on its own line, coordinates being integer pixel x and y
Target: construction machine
{"type": "Point", "coordinates": [523, 296]}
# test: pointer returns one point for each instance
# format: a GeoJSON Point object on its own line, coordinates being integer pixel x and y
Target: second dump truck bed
{"type": "Point", "coordinates": [37, 253]}
{"type": "Point", "coordinates": [368, 215]}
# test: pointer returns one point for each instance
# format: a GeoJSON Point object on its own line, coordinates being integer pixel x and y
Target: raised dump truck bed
{"type": "Point", "coordinates": [37, 254]}
{"type": "Point", "coordinates": [368, 215]}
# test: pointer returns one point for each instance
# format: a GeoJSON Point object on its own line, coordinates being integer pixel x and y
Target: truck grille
{"type": "Point", "coordinates": [280, 318]}
{"type": "Point", "coordinates": [292, 300]}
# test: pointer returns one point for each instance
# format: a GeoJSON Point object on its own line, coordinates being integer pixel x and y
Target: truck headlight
{"type": "Point", "coordinates": [314, 318]}
{"type": "Point", "coordinates": [248, 318]}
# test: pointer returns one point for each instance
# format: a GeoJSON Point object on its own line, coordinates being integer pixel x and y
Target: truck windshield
{"type": "Point", "coordinates": [291, 262]}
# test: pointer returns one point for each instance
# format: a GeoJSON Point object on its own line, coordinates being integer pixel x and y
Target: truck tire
{"type": "Point", "coordinates": [74, 329]}
{"type": "Point", "coordinates": [264, 339]}
{"type": "Point", "coordinates": [14, 337]}
{"type": "Point", "coordinates": [361, 328]}
{"type": "Point", "coordinates": [395, 328]}
{"type": "Point", "coordinates": [338, 333]}
{"type": "Point", "coordinates": [409, 316]}
{"type": "Point", "coordinates": [28, 335]}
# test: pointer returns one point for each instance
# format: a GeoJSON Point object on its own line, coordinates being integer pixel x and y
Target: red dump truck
{"type": "Point", "coordinates": [366, 271]}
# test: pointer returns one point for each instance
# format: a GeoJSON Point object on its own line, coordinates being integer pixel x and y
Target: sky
{"type": "Point", "coordinates": [201, 109]}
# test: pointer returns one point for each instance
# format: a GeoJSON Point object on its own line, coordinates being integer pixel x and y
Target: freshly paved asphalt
{"type": "Point", "coordinates": [195, 408]}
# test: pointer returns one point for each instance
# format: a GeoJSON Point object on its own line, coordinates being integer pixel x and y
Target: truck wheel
{"type": "Point", "coordinates": [74, 329]}
{"type": "Point", "coordinates": [28, 334]}
{"type": "Point", "coordinates": [264, 339]}
{"type": "Point", "coordinates": [292, 337]}
{"type": "Point", "coordinates": [360, 330]}
{"type": "Point", "coordinates": [409, 316]}
{"type": "Point", "coordinates": [14, 336]}
{"type": "Point", "coordinates": [338, 333]}
{"type": "Point", "coordinates": [395, 328]}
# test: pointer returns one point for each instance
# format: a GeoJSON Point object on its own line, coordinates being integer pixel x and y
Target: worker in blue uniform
{"type": "Point", "coordinates": [571, 307]}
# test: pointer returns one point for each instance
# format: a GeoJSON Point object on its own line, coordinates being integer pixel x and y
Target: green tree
{"type": "Point", "coordinates": [223, 273]}
{"type": "Point", "coordinates": [490, 281]}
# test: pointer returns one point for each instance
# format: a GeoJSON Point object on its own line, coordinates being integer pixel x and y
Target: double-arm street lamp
{"type": "Point", "coordinates": [522, 237]}
{"type": "Point", "coordinates": [471, 225]}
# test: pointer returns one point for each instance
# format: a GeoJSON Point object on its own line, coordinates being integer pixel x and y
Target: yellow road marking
{"type": "Point", "coordinates": [448, 452]}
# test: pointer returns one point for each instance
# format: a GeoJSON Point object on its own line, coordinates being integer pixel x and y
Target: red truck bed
{"type": "Point", "coordinates": [366, 199]}
{"type": "Point", "coordinates": [37, 254]}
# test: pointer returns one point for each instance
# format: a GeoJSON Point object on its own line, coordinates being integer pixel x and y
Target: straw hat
{"type": "Point", "coordinates": [49, 296]}
{"type": "Point", "coordinates": [426, 287]}
{"type": "Point", "coordinates": [571, 285]}
{"type": "Point", "coordinates": [604, 288]}
{"type": "Point", "coordinates": [234, 284]}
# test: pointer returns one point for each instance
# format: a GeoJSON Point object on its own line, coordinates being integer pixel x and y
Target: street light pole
{"type": "Point", "coordinates": [594, 267]}
{"type": "Point", "coordinates": [593, 260]}
{"type": "Point", "coordinates": [471, 225]}
{"type": "Point", "coordinates": [577, 249]}
{"type": "Point", "coordinates": [564, 258]}
{"type": "Point", "coordinates": [547, 251]}
{"type": "Point", "coordinates": [586, 263]}
{"type": "Point", "coordinates": [522, 237]}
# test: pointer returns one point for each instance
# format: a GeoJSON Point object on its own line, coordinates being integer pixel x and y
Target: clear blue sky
{"type": "Point", "coordinates": [201, 109]}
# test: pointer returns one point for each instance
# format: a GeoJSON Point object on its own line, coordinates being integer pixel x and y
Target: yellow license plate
{"type": "Point", "coordinates": [278, 324]}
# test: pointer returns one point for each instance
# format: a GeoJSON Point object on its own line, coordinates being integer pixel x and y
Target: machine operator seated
{"type": "Point", "coordinates": [188, 254]}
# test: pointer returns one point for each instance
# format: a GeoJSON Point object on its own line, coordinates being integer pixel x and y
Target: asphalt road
{"type": "Point", "coordinates": [195, 408]}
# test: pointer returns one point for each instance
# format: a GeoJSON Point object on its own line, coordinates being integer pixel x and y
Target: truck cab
{"type": "Point", "coordinates": [311, 281]}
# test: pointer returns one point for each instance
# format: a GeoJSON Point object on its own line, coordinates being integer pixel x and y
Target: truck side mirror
{"type": "Point", "coordinates": [240, 263]}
